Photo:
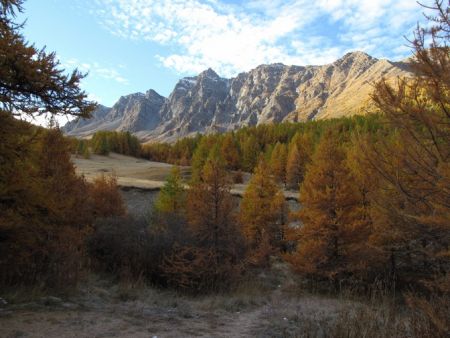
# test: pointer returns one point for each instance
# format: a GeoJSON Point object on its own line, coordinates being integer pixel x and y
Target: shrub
{"type": "Point", "coordinates": [105, 197]}
{"type": "Point", "coordinates": [118, 245]}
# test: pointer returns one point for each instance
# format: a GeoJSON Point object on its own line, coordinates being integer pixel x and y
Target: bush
{"type": "Point", "coordinates": [105, 197]}
{"type": "Point", "coordinates": [118, 245]}
{"type": "Point", "coordinates": [200, 270]}
{"type": "Point", "coordinates": [130, 249]}
{"type": "Point", "coordinates": [165, 232]}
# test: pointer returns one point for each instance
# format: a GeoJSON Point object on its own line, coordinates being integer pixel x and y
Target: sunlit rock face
{"type": "Point", "coordinates": [267, 94]}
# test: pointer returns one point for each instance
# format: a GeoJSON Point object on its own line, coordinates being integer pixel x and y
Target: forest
{"type": "Point", "coordinates": [374, 192]}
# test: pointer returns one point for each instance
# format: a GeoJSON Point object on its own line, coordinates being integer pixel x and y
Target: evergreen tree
{"type": "Point", "coordinates": [83, 149]}
{"type": "Point", "coordinates": [200, 156]}
{"type": "Point", "coordinates": [100, 143]}
{"type": "Point", "coordinates": [168, 228]}
{"type": "Point", "coordinates": [172, 199]}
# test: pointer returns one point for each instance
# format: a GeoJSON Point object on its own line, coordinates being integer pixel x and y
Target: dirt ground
{"type": "Point", "coordinates": [264, 308]}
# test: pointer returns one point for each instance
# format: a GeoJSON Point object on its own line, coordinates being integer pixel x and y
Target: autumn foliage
{"type": "Point", "coordinates": [373, 191]}
{"type": "Point", "coordinates": [262, 215]}
{"type": "Point", "coordinates": [331, 243]}
{"type": "Point", "coordinates": [211, 261]}
{"type": "Point", "coordinates": [47, 210]}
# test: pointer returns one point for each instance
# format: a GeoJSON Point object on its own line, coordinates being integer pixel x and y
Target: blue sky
{"type": "Point", "coordinates": [134, 45]}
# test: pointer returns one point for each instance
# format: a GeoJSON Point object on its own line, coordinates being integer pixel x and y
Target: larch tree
{"type": "Point", "coordinates": [262, 213]}
{"type": "Point", "coordinates": [412, 208]}
{"type": "Point", "coordinates": [299, 156]}
{"type": "Point", "coordinates": [210, 205]}
{"type": "Point", "coordinates": [294, 173]}
{"type": "Point", "coordinates": [31, 208]}
{"type": "Point", "coordinates": [105, 197]}
{"type": "Point", "coordinates": [31, 81]}
{"type": "Point", "coordinates": [250, 153]}
{"type": "Point", "coordinates": [65, 192]}
{"type": "Point", "coordinates": [329, 241]}
{"type": "Point", "coordinates": [278, 162]}
{"type": "Point", "coordinates": [230, 152]}
{"type": "Point", "coordinates": [211, 262]}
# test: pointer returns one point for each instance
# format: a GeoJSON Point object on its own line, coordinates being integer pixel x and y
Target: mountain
{"type": "Point", "coordinates": [135, 112]}
{"type": "Point", "coordinates": [267, 94]}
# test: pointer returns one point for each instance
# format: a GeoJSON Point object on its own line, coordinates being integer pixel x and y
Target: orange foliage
{"type": "Point", "coordinates": [105, 197]}
{"type": "Point", "coordinates": [331, 242]}
{"type": "Point", "coordinates": [262, 212]}
{"type": "Point", "coordinates": [212, 260]}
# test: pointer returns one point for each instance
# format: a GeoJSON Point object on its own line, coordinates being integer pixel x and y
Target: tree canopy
{"type": "Point", "coordinates": [31, 79]}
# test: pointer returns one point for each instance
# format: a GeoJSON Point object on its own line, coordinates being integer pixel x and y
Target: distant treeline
{"type": "Point", "coordinates": [104, 142]}
{"type": "Point", "coordinates": [287, 147]}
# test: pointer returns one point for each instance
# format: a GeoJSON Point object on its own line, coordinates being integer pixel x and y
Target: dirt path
{"type": "Point", "coordinates": [127, 321]}
{"type": "Point", "coordinates": [103, 309]}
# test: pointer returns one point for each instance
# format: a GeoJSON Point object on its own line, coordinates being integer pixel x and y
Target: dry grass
{"type": "Point", "coordinates": [314, 316]}
{"type": "Point", "coordinates": [264, 306]}
{"type": "Point", "coordinates": [140, 173]}
{"type": "Point", "coordinates": [130, 171]}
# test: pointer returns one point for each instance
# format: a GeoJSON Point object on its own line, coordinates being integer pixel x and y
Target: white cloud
{"type": "Point", "coordinates": [96, 70]}
{"type": "Point", "coordinates": [231, 38]}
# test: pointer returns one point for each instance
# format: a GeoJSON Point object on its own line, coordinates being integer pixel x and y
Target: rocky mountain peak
{"type": "Point", "coordinates": [209, 74]}
{"type": "Point", "coordinates": [185, 83]}
{"type": "Point", "coordinates": [355, 58]}
{"type": "Point", "coordinates": [266, 94]}
{"type": "Point", "coordinates": [360, 55]}
{"type": "Point", "coordinates": [151, 94]}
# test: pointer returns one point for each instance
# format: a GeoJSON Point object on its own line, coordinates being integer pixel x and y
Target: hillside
{"type": "Point", "coordinates": [269, 93]}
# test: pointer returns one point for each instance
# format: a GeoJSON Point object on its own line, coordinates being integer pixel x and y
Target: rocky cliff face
{"type": "Point", "coordinates": [266, 94]}
{"type": "Point", "coordinates": [135, 112]}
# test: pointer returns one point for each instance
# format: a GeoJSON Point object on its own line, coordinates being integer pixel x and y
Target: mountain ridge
{"type": "Point", "coordinates": [270, 93]}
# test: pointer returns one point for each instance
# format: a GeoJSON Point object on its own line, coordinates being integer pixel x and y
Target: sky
{"type": "Point", "coordinates": [129, 46]}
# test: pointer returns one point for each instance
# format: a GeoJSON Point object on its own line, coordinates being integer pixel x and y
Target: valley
{"type": "Point", "coordinates": [277, 200]}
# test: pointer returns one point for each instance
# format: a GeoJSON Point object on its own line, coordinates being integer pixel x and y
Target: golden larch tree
{"type": "Point", "coordinates": [329, 240]}
{"type": "Point", "coordinates": [230, 152]}
{"type": "Point", "coordinates": [262, 211]}
{"type": "Point", "coordinates": [299, 156]}
{"type": "Point", "coordinates": [211, 261]}
{"type": "Point", "coordinates": [412, 207]}
{"type": "Point", "coordinates": [278, 161]}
